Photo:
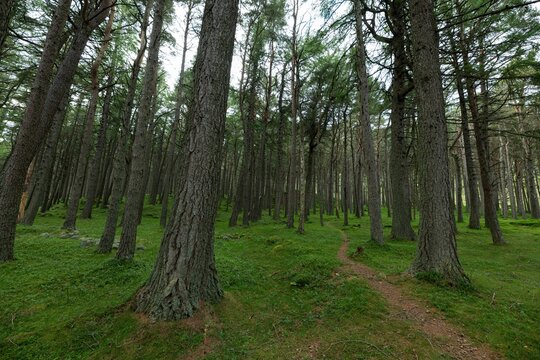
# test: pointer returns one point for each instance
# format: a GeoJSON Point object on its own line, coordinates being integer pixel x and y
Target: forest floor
{"type": "Point", "coordinates": [287, 296]}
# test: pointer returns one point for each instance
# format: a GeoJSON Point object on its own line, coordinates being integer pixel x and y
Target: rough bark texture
{"type": "Point", "coordinates": [136, 184]}
{"type": "Point", "coordinates": [437, 252]}
{"type": "Point", "coordinates": [87, 134]}
{"type": "Point", "coordinates": [399, 160]}
{"type": "Point", "coordinates": [42, 105]}
{"type": "Point", "coordinates": [374, 197]}
{"type": "Point", "coordinates": [6, 13]}
{"type": "Point", "coordinates": [185, 272]}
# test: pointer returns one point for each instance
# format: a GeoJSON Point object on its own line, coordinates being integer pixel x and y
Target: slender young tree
{"type": "Point", "coordinates": [185, 272]}
{"type": "Point", "coordinates": [374, 198]}
{"type": "Point", "coordinates": [180, 94]}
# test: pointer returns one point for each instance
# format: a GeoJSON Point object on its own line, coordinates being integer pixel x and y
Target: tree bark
{"type": "Point", "coordinates": [42, 105]}
{"type": "Point", "coordinates": [87, 133]}
{"type": "Point", "coordinates": [171, 151]}
{"type": "Point", "coordinates": [45, 171]}
{"type": "Point", "coordinates": [291, 178]}
{"type": "Point", "coordinates": [185, 273]}
{"type": "Point", "coordinates": [437, 250]}
{"type": "Point", "coordinates": [119, 159]}
{"type": "Point", "coordinates": [95, 166]}
{"type": "Point", "coordinates": [399, 160]}
{"type": "Point", "coordinates": [136, 184]}
{"type": "Point", "coordinates": [374, 197]}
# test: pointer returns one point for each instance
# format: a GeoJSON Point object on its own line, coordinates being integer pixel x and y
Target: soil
{"type": "Point", "coordinates": [442, 335]}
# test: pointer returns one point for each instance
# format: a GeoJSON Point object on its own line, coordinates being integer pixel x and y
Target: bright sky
{"type": "Point", "coordinates": [308, 13]}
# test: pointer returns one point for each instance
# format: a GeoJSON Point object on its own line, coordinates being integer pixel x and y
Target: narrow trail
{"type": "Point", "coordinates": [441, 334]}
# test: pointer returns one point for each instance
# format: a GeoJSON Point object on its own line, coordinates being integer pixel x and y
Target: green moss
{"type": "Point", "coordinates": [500, 307]}
{"type": "Point", "coordinates": [284, 295]}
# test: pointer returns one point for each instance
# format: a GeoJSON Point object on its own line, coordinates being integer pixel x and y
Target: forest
{"type": "Point", "coordinates": [270, 179]}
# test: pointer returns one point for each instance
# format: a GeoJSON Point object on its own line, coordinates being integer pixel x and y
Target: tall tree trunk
{"type": "Point", "coordinates": [472, 186]}
{"type": "Point", "coordinates": [399, 161]}
{"type": "Point", "coordinates": [437, 250]}
{"type": "Point", "coordinates": [45, 171]}
{"type": "Point", "coordinates": [41, 107]}
{"type": "Point", "coordinates": [87, 133]}
{"type": "Point", "coordinates": [459, 188]}
{"type": "Point", "coordinates": [345, 177]}
{"type": "Point", "coordinates": [291, 178]}
{"type": "Point", "coordinates": [119, 171]}
{"type": "Point", "coordinates": [95, 166]}
{"type": "Point", "coordinates": [239, 200]}
{"type": "Point", "coordinates": [280, 167]}
{"type": "Point", "coordinates": [374, 197]}
{"type": "Point", "coordinates": [185, 272]}
{"type": "Point", "coordinates": [167, 184]}
{"type": "Point", "coordinates": [481, 134]}
{"type": "Point", "coordinates": [136, 184]}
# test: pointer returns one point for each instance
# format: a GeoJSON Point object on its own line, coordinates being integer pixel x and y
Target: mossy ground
{"type": "Point", "coordinates": [503, 306]}
{"type": "Point", "coordinates": [283, 297]}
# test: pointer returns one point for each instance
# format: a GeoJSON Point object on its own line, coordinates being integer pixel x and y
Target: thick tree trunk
{"type": "Point", "coordinates": [399, 160]}
{"type": "Point", "coordinates": [374, 197]}
{"type": "Point", "coordinates": [42, 105]}
{"type": "Point", "coordinates": [185, 272]}
{"type": "Point", "coordinates": [136, 184]}
{"type": "Point", "coordinates": [437, 251]}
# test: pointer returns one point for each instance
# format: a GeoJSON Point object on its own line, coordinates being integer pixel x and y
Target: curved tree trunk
{"type": "Point", "coordinates": [44, 173]}
{"type": "Point", "coordinates": [185, 273]}
{"type": "Point", "coordinates": [41, 107]}
{"type": "Point", "coordinates": [87, 133]}
{"type": "Point", "coordinates": [119, 157]}
{"type": "Point", "coordinates": [136, 184]}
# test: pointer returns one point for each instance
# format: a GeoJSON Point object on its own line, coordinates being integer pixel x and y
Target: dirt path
{"type": "Point", "coordinates": [441, 334]}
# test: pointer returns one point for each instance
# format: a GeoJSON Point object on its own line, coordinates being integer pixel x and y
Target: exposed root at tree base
{"type": "Point", "coordinates": [443, 335]}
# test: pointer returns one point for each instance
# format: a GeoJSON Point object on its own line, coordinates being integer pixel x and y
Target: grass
{"type": "Point", "coordinates": [502, 309]}
{"type": "Point", "coordinates": [284, 296]}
